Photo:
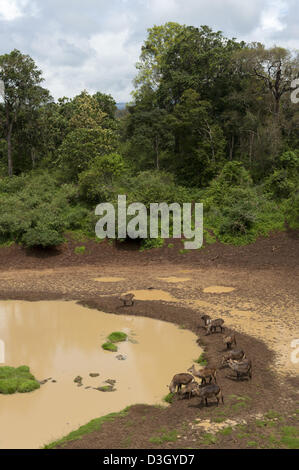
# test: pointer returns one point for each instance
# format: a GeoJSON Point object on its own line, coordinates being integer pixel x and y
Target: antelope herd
{"type": "Point", "coordinates": [235, 359]}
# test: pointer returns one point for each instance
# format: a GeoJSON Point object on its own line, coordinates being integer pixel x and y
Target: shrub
{"type": "Point", "coordinates": [100, 181]}
{"type": "Point", "coordinates": [292, 210]}
{"type": "Point", "coordinates": [280, 185]}
{"type": "Point", "coordinates": [150, 243]}
{"type": "Point", "coordinates": [36, 215]}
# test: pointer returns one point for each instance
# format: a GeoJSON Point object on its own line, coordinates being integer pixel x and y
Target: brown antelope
{"type": "Point", "coordinates": [189, 389]}
{"type": "Point", "coordinates": [127, 298]}
{"type": "Point", "coordinates": [242, 368]}
{"type": "Point", "coordinates": [209, 391]}
{"type": "Point", "coordinates": [234, 354]}
{"type": "Point", "coordinates": [206, 319]}
{"type": "Point", "coordinates": [229, 341]}
{"type": "Point", "coordinates": [204, 374]}
{"type": "Point", "coordinates": [179, 380]}
{"type": "Point", "coordinates": [212, 326]}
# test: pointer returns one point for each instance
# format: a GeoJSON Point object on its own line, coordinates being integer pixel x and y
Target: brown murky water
{"type": "Point", "coordinates": [218, 290]}
{"type": "Point", "coordinates": [62, 340]}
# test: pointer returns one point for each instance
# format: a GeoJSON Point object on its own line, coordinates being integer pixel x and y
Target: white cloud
{"type": "Point", "coordinates": [273, 15]}
{"type": "Point", "coordinates": [95, 44]}
{"type": "Point", "coordinates": [12, 9]}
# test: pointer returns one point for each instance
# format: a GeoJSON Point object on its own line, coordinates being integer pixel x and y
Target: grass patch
{"type": "Point", "coordinates": [252, 444]}
{"type": "Point", "coordinates": [169, 398]}
{"type": "Point", "coordinates": [77, 236]}
{"type": "Point", "coordinates": [106, 388]}
{"type": "Point", "coordinates": [13, 380]}
{"type": "Point", "coordinates": [260, 423]}
{"type": "Point", "coordinates": [150, 243]}
{"type": "Point", "coordinates": [80, 250]}
{"type": "Point", "coordinates": [202, 361]}
{"type": "Point", "coordinates": [272, 415]}
{"type": "Point", "coordinates": [110, 347]}
{"type": "Point", "coordinates": [94, 425]}
{"type": "Point", "coordinates": [7, 244]}
{"type": "Point", "coordinates": [219, 419]}
{"type": "Point", "coordinates": [208, 439]}
{"type": "Point", "coordinates": [240, 402]}
{"type": "Point", "coordinates": [117, 337]}
{"type": "Point", "coordinates": [226, 431]}
{"type": "Point", "coordinates": [290, 437]}
{"type": "Point", "coordinates": [165, 436]}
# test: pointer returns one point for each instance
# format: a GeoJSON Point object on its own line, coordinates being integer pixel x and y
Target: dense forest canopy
{"type": "Point", "coordinates": [211, 119]}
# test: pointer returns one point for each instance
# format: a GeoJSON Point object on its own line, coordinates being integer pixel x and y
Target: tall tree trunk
{"type": "Point", "coordinates": [277, 108]}
{"type": "Point", "coordinates": [157, 152]}
{"type": "Point", "coordinates": [9, 149]}
{"type": "Point", "coordinates": [231, 147]}
{"type": "Point", "coordinates": [33, 157]}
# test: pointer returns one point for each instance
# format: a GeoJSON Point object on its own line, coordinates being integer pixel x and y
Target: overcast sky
{"type": "Point", "coordinates": [94, 44]}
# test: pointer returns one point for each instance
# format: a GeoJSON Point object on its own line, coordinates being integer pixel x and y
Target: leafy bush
{"type": "Point", "coordinates": [280, 185]}
{"type": "Point", "coordinates": [149, 243]}
{"type": "Point", "coordinates": [158, 186]}
{"type": "Point", "coordinates": [292, 210]}
{"type": "Point", "coordinates": [283, 182]}
{"type": "Point", "coordinates": [39, 213]}
{"type": "Point", "coordinates": [236, 212]}
{"type": "Point", "coordinates": [100, 182]}
{"type": "Point", "coordinates": [233, 175]}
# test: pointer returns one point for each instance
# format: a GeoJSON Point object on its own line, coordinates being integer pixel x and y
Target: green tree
{"type": "Point", "coordinates": [22, 80]}
{"type": "Point", "coordinates": [81, 147]}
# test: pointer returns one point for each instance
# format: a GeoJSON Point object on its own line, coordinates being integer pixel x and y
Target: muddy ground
{"type": "Point", "coordinates": [262, 310]}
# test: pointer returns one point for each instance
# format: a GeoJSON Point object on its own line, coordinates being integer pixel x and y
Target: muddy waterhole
{"type": "Point", "coordinates": [62, 340]}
